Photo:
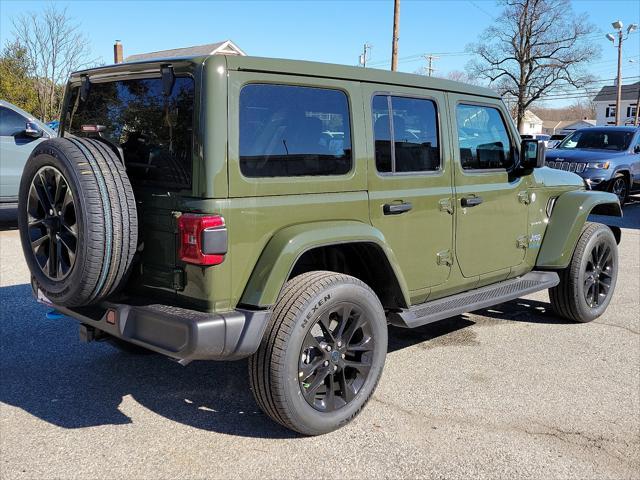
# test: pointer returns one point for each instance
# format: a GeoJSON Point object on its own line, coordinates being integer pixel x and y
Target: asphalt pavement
{"type": "Point", "coordinates": [507, 392]}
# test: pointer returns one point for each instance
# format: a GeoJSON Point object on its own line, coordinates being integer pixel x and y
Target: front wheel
{"type": "Point", "coordinates": [587, 284]}
{"type": "Point", "coordinates": [620, 188]}
{"type": "Point", "coordinates": [322, 354]}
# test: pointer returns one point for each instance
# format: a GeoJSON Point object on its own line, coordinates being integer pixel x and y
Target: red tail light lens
{"type": "Point", "coordinates": [203, 239]}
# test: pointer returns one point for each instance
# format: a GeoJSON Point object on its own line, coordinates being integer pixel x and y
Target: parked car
{"type": "Point", "coordinates": [537, 136]}
{"type": "Point", "coordinates": [555, 140]}
{"type": "Point", "coordinates": [207, 233]}
{"type": "Point", "coordinates": [53, 125]}
{"type": "Point", "coordinates": [20, 132]}
{"type": "Point", "coordinates": [608, 158]}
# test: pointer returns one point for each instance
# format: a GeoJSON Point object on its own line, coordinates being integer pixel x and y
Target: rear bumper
{"type": "Point", "coordinates": [179, 333]}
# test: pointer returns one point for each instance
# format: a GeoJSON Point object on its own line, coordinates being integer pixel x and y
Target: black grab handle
{"type": "Point", "coordinates": [471, 201]}
{"type": "Point", "coordinates": [396, 208]}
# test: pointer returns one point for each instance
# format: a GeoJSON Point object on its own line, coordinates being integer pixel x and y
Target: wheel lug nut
{"type": "Point", "coordinates": [335, 367]}
{"type": "Point", "coordinates": [326, 363]}
{"type": "Point", "coordinates": [51, 211]}
{"type": "Point", "coordinates": [343, 355]}
{"type": "Point", "coordinates": [300, 374]}
{"type": "Point", "coordinates": [339, 344]}
{"type": "Point", "coordinates": [328, 348]}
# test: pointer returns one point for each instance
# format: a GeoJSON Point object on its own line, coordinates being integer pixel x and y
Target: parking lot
{"type": "Point", "coordinates": [511, 391]}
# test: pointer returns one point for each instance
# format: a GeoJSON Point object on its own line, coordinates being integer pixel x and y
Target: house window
{"type": "Point", "coordinates": [631, 110]}
{"type": "Point", "coordinates": [611, 111]}
{"type": "Point", "coordinates": [532, 126]}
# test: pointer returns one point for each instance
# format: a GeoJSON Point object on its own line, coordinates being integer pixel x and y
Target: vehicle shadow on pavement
{"type": "Point", "coordinates": [630, 218]}
{"type": "Point", "coordinates": [8, 217]}
{"type": "Point", "coordinates": [46, 372]}
{"type": "Point", "coordinates": [524, 310]}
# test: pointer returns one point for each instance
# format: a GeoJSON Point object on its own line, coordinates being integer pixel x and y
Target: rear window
{"type": "Point", "coordinates": [291, 131]}
{"type": "Point", "coordinates": [154, 131]}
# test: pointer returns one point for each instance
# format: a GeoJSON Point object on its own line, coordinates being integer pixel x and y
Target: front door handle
{"type": "Point", "coordinates": [396, 208]}
{"type": "Point", "coordinates": [471, 201]}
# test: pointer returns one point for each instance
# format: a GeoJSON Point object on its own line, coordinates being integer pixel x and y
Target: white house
{"type": "Point", "coordinates": [605, 102]}
{"type": "Point", "coordinates": [221, 48]}
{"type": "Point", "coordinates": [531, 124]}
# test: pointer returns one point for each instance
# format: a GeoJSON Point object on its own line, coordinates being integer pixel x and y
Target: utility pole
{"type": "Point", "coordinates": [396, 29]}
{"type": "Point", "coordinates": [430, 58]}
{"type": "Point", "coordinates": [635, 121]}
{"type": "Point", "coordinates": [365, 51]}
{"type": "Point", "coordinates": [617, 25]}
{"type": "Point", "coordinates": [619, 78]}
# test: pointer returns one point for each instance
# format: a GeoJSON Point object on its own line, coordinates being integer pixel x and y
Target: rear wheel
{"type": "Point", "coordinates": [322, 355]}
{"type": "Point", "coordinates": [587, 284]}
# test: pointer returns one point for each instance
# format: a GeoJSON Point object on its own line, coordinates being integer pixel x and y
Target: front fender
{"type": "Point", "coordinates": [569, 215]}
{"type": "Point", "coordinates": [283, 250]}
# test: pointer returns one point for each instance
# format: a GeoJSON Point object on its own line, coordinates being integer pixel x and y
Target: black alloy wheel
{"type": "Point", "coordinates": [598, 274]}
{"type": "Point", "coordinates": [52, 223]}
{"type": "Point", "coordinates": [335, 358]}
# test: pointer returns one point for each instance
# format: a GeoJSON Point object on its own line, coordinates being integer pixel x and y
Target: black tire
{"type": "Point", "coordinates": [620, 186]}
{"type": "Point", "coordinates": [97, 241]}
{"type": "Point", "coordinates": [594, 264]}
{"type": "Point", "coordinates": [275, 370]}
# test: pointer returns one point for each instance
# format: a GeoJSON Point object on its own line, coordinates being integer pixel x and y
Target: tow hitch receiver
{"type": "Point", "coordinates": [90, 334]}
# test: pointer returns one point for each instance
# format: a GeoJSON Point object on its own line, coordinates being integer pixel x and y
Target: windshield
{"type": "Point", "coordinates": [154, 131]}
{"type": "Point", "coordinates": [616, 140]}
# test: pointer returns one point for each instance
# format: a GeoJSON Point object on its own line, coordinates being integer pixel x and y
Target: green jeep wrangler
{"type": "Point", "coordinates": [221, 207]}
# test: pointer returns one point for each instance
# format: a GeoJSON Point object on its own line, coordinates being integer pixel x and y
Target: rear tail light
{"type": "Point", "coordinates": [203, 239]}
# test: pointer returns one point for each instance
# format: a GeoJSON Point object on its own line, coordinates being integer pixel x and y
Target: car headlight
{"type": "Point", "coordinates": [598, 165]}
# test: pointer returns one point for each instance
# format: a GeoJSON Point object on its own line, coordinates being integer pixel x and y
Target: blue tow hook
{"type": "Point", "coordinates": [54, 315]}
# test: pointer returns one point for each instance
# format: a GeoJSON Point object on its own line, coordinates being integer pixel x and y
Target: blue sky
{"type": "Point", "coordinates": [328, 31]}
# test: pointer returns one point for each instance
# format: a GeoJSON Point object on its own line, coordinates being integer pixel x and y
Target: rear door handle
{"type": "Point", "coordinates": [396, 208]}
{"type": "Point", "coordinates": [470, 201]}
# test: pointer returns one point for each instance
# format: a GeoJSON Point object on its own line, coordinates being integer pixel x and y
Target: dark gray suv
{"type": "Point", "coordinates": [607, 158]}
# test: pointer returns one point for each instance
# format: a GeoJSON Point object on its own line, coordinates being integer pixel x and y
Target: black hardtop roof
{"type": "Point", "coordinates": [302, 68]}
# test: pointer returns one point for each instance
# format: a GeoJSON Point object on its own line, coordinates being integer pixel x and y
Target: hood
{"type": "Point", "coordinates": [581, 155]}
{"type": "Point", "coordinates": [550, 177]}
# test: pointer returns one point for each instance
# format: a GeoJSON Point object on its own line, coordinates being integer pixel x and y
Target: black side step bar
{"type": "Point", "coordinates": [472, 300]}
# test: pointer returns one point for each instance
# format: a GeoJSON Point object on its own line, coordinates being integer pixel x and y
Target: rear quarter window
{"type": "Point", "coordinates": [293, 131]}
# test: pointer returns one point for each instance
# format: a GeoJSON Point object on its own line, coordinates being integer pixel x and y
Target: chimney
{"type": "Point", "coordinates": [117, 52]}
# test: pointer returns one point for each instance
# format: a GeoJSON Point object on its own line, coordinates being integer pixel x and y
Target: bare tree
{"type": "Point", "coordinates": [54, 47]}
{"type": "Point", "coordinates": [534, 47]}
{"type": "Point", "coordinates": [459, 76]}
{"type": "Point", "coordinates": [579, 110]}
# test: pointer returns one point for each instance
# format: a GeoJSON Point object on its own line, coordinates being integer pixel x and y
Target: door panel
{"type": "Point", "coordinates": [491, 215]}
{"type": "Point", "coordinates": [419, 233]}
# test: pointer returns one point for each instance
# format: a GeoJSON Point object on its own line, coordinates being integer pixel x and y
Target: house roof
{"type": "Point", "coordinates": [560, 125]}
{"type": "Point", "coordinates": [608, 93]}
{"type": "Point", "coordinates": [530, 117]}
{"type": "Point", "coordinates": [226, 47]}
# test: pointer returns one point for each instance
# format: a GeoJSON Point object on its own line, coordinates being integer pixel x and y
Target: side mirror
{"type": "Point", "coordinates": [32, 130]}
{"type": "Point", "coordinates": [636, 149]}
{"type": "Point", "coordinates": [532, 153]}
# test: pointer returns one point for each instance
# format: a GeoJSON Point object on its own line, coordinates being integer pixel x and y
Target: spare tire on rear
{"type": "Point", "coordinates": [78, 220]}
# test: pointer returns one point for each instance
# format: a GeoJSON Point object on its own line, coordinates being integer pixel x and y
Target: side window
{"type": "Point", "coordinates": [483, 138]}
{"type": "Point", "coordinates": [290, 131]}
{"type": "Point", "coordinates": [11, 123]}
{"type": "Point", "coordinates": [406, 134]}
